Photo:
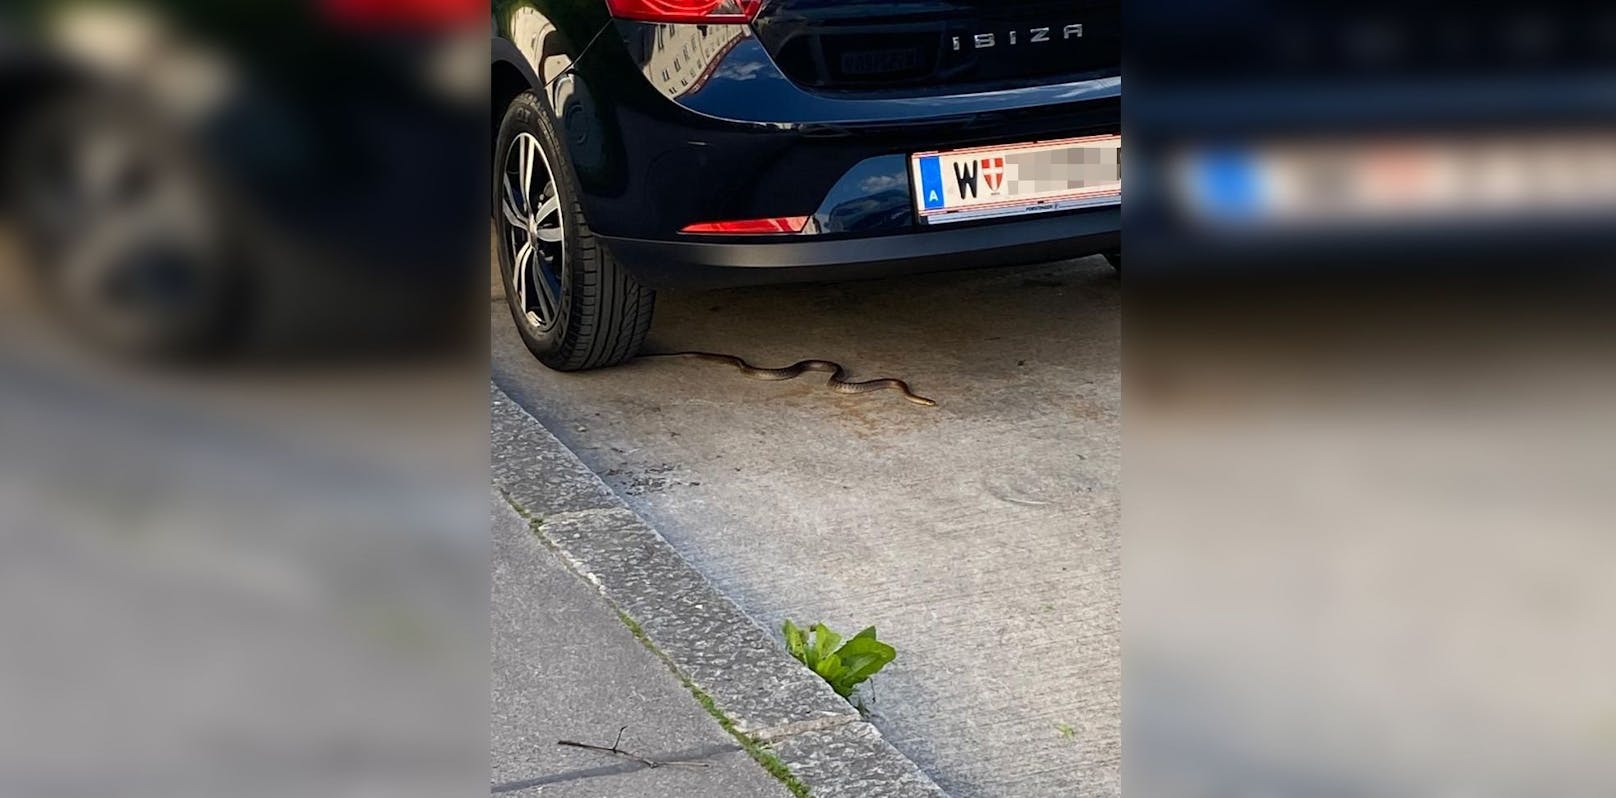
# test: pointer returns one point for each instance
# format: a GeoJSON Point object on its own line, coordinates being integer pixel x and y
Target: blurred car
{"type": "Point", "coordinates": [648, 144]}
{"type": "Point", "coordinates": [184, 173]}
{"type": "Point", "coordinates": [1287, 139]}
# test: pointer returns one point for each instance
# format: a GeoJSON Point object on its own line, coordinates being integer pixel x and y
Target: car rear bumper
{"type": "Point", "coordinates": [709, 263]}
{"type": "Point", "coordinates": [673, 125]}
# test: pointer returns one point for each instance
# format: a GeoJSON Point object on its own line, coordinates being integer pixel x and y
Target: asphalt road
{"type": "Point", "coordinates": [980, 537]}
{"type": "Point", "coordinates": [565, 667]}
{"type": "Point", "coordinates": [217, 601]}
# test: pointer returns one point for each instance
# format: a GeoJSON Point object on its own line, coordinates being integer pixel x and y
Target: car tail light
{"type": "Point", "coordinates": [778, 224]}
{"type": "Point", "coordinates": [411, 15]}
{"type": "Point", "coordinates": [685, 10]}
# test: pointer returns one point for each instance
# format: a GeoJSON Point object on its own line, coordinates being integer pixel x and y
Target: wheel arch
{"type": "Point", "coordinates": [508, 78]}
{"type": "Point", "coordinates": [541, 58]}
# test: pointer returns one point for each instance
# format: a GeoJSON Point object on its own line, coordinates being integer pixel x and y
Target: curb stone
{"type": "Point", "coordinates": [849, 761]}
{"type": "Point", "coordinates": [765, 693]}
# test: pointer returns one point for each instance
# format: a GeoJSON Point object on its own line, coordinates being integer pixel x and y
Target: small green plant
{"type": "Point", "coordinates": [844, 668]}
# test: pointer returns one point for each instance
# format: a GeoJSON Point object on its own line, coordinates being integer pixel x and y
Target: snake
{"type": "Point", "coordinates": [838, 381]}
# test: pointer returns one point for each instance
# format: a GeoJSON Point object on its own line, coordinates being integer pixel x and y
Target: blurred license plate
{"type": "Point", "coordinates": [1017, 179]}
{"type": "Point", "coordinates": [1398, 182]}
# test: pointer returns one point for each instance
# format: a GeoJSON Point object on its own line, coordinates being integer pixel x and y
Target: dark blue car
{"type": "Point", "coordinates": [646, 144]}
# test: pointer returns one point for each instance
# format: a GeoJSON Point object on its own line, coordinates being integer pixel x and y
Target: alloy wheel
{"type": "Point", "coordinates": [530, 208]}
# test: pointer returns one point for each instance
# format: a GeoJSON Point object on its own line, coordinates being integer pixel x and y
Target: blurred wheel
{"type": "Point", "coordinates": [119, 229]}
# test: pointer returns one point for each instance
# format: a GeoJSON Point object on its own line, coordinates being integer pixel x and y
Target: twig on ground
{"type": "Point", "coordinates": [613, 749]}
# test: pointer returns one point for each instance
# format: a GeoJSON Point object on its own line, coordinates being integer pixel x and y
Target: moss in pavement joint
{"type": "Point", "coordinates": [520, 510]}
{"type": "Point", "coordinates": [534, 522]}
{"type": "Point", "coordinates": [763, 756]}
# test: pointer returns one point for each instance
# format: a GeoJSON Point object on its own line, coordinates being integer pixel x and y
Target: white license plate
{"type": "Point", "coordinates": [1016, 179]}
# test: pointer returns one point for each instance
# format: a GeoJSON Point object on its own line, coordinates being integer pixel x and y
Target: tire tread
{"type": "Point", "coordinates": [608, 313]}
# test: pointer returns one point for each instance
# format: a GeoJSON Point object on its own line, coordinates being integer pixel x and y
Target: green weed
{"type": "Point", "coordinates": [844, 668]}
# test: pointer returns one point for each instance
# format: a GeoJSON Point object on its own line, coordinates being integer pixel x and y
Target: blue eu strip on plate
{"type": "Point", "coordinates": [1226, 184]}
{"type": "Point", "coordinates": [931, 182]}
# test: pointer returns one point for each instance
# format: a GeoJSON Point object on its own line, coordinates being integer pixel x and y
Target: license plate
{"type": "Point", "coordinates": [1017, 179]}
{"type": "Point", "coordinates": [1396, 183]}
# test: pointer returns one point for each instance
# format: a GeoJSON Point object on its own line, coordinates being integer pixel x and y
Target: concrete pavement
{"type": "Point", "coordinates": [798, 725]}
{"type": "Point", "coordinates": [980, 537]}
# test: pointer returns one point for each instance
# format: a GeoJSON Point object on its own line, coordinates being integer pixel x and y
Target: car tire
{"type": "Point", "coordinates": [588, 312]}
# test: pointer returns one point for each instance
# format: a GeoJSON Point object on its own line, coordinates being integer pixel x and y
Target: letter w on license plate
{"type": "Point", "coordinates": [1017, 179]}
